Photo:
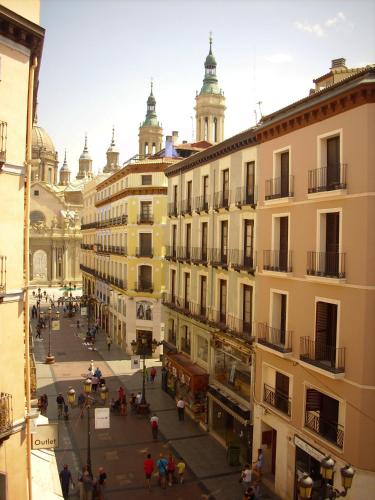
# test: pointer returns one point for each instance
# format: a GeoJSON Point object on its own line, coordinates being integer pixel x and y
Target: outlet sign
{"type": "Point", "coordinates": [45, 437]}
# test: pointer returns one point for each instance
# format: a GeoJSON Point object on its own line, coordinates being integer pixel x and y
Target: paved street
{"type": "Point", "coordinates": [122, 449]}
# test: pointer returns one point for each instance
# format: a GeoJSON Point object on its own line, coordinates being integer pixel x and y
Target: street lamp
{"type": "Point", "coordinates": [305, 486]}
{"type": "Point", "coordinates": [327, 471]}
{"type": "Point", "coordinates": [51, 359]}
{"type": "Point", "coordinates": [39, 297]}
{"type": "Point", "coordinates": [87, 388]}
{"type": "Point", "coordinates": [71, 396]}
{"type": "Point", "coordinates": [103, 394]}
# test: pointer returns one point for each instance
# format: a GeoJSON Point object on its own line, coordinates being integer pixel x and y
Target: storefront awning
{"type": "Point", "coordinates": [239, 411]}
{"type": "Point", "coordinates": [186, 371]}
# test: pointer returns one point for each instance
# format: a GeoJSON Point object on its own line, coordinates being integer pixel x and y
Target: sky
{"type": "Point", "coordinates": [99, 57]}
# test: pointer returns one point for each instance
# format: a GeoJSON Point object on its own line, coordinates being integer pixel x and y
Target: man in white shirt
{"type": "Point", "coordinates": [181, 409]}
{"type": "Point", "coordinates": [246, 476]}
{"type": "Point", "coordinates": [138, 398]}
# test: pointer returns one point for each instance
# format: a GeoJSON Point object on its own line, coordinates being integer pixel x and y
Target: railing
{"type": "Point", "coordinates": [327, 264]}
{"type": "Point", "coordinates": [3, 276]}
{"type": "Point", "coordinates": [243, 197]}
{"type": "Point", "coordinates": [102, 248]}
{"type": "Point", "coordinates": [86, 246]}
{"type": "Point", "coordinates": [201, 204]}
{"type": "Point", "coordinates": [279, 187]}
{"type": "Point", "coordinates": [144, 252]}
{"type": "Point", "coordinates": [239, 327]}
{"type": "Point", "coordinates": [186, 207]}
{"type": "Point", "coordinates": [118, 250]}
{"type": "Point", "coordinates": [328, 178]}
{"type": "Point", "coordinates": [219, 318]}
{"type": "Point", "coordinates": [119, 221]}
{"type": "Point", "coordinates": [90, 225]}
{"type": "Point", "coordinates": [240, 261]}
{"type": "Point", "coordinates": [221, 199]}
{"type": "Point", "coordinates": [144, 286]}
{"type": "Point", "coordinates": [88, 270]}
{"type": "Point", "coordinates": [184, 254]}
{"type": "Point", "coordinates": [170, 252]}
{"type": "Point", "coordinates": [6, 414]}
{"type": "Point", "coordinates": [172, 209]}
{"type": "Point", "coordinates": [198, 311]}
{"type": "Point", "coordinates": [3, 142]}
{"type": "Point", "coordinates": [199, 255]}
{"type": "Point", "coordinates": [277, 399]}
{"type": "Point", "coordinates": [275, 338]}
{"type": "Point", "coordinates": [172, 336]}
{"type": "Point", "coordinates": [218, 257]}
{"type": "Point", "coordinates": [145, 219]}
{"type": "Point", "coordinates": [277, 260]}
{"type": "Point", "coordinates": [330, 358]}
{"type": "Point", "coordinates": [170, 300]}
{"type": "Point", "coordinates": [332, 431]}
{"type": "Point", "coordinates": [185, 346]}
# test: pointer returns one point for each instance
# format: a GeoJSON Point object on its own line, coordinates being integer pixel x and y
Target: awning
{"type": "Point", "coordinates": [238, 411]}
{"type": "Point", "coordinates": [186, 371]}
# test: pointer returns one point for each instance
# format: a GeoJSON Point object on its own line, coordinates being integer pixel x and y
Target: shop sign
{"type": "Point", "coordinates": [83, 311]}
{"type": "Point", "coordinates": [102, 418]}
{"type": "Point", "coordinates": [135, 362]}
{"type": "Point", "coordinates": [45, 437]}
{"type": "Point", "coordinates": [55, 325]}
{"type": "Point", "coordinates": [313, 452]}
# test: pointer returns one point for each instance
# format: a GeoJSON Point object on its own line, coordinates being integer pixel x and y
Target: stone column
{"type": "Point", "coordinates": [54, 259]}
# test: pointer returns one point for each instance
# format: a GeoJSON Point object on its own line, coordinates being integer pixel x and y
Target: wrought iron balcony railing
{"type": "Point", "coordinates": [86, 246]}
{"type": "Point", "coordinates": [279, 187]}
{"type": "Point", "coordinates": [199, 255]}
{"type": "Point", "coordinates": [3, 142]}
{"type": "Point", "coordinates": [328, 178]}
{"type": "Point", "coordinates": [144, 286]}
{"type": "Point", "coordinates": [144, 251]}
{"type": "Point", "coordinates": [277, 260]}
{"type": "Point", "coordinates": [3, 276]}
{"type": "Point", "coordinates": [332, 431]}
{"type": "Point", "coordinates": [239, 327]}
{"type": "Point", "coordinates": [218, 318]}
{"type": "Point", "coordinates": [240, 261]}
{"type": "Point", "coordinates": [244, 197]}
{"type": "Point", "coordinates": [88, 270]}
{"type": "Point", "coordinates": [201, 204]}
{"type": "Point", "coordinates": [277, 399]}
{"type": "Point", "coordinates": [186, 207]}
{"type": "Point", "coordinates": [170, 252]}
{"type": "Point", "coordinates": [90, 225]}
{"type": "Point", "coordinates": [326, 264]}
{"type": "Point", "coordinates": [218, 257]}
{"type": "Point", "coordinates": [327, 357]}
{"type": "Point", "coordinates": [145, 218]}
{"type": "Point", "coordinates": [6, 415]}
{"type": "Point", "coordinates": [172, 209]}
{"type": "Point", "coordinates": [221, 199]}
{"type": "Point", "coordinates": [275, 338]}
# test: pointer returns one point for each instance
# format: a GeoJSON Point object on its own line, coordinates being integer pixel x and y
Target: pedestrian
{"type": "Point", "coordinates": [44, 401]}
{"type": "Point", "coordinates": [123, 406]}
{"type": "Point", "coordinates": [138, 399]}
{"type": "Point", "coordinates": [87, 486]}
{"type": "Point", "coordinates": [38, 332]}
{"type": "Point", "coordinates": [181, 466]}
{"type": "Point", "coordinates": [148, 467]}
{"type": "Point", "coordinates": [162, 465]}
{"type": "Point", "coordinates": [121, 392]}
{"type": "Point", "coordinates": [249, 494]}
{"type": "Point", "coordinates": [171, 468]}
{"type": "Point", "coordinates": [154, 421]}
{"type": "Point", "coordinates": [66, 412]}
{"type": "Point", "coordinates": [109, 342]}
{"type": "Point", "coordinates": [60, 405]}
{"type": "Point", "coordinates": [65, 480]}
{"type": "Point", "coordinates": [100, 483]}
{"type": "Point", "coordinates": [78, 325]}
{"type": "Point", "coordinates": [259, 464]}
{"type": "Point", "coordinates": [181, 409]}
{"type": "Point", "coordinates": [94, 383]}
{"type": "Point", "coordinates": [246, 476]}
{"type": "Point", "coordinates": [153, 374]}
{"type": "Point", "coordinates": [91, 368]}
{"type": "Point", "coordinates": [33, 312]}
{"type": "Point", "coordinates": [98, 373]}
{"type": "Point", "coordinates": [81, 402]}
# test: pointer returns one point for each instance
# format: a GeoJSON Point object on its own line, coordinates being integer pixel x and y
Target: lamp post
{"type": "Point", "coordinates": [39, 297]}
{"type": "Point", "coordinates": [87, 385]}
{"type": "Point", "coordinates": [103, 394]}
{"type": "Point", "coordinates": [51, 359]}
{"type": "Point", "coordinates": [71, 396]}
{"type": "Point", "coordinates": [327, 471]}
{"type": "Point", "coordinates": [305, 486]}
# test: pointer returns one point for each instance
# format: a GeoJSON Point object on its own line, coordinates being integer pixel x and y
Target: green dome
{"type": "Point", "coordinates": [210, 82]}
{"type": "Point", "coordinates": [151, 119]}
{"type": "Point", "coordinates": [210, 60]}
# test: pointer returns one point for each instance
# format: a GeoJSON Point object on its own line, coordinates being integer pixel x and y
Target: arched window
{"type": "Point", "coordinates": [37, 216]}
{"type": "Point", "coordinates": [215, 130]}
{"type": "Point", "coordinates": [153, 148]}
{"type": "Point", "coordinates": [206, 129]}
{"type": "Point", "coordinates": [146, 148]}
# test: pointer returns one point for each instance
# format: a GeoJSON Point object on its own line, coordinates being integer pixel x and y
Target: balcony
{"type": "Point", "coordinates": [201, 204]}
{"type": "Point", "coordinates": [279, 187]}
{"type": "Point", "coordinates": [277, 261]}
{"type": "Point", "coordinates": [102, 249]}
{"type": "Point", "coordinates": [241, 262]}
{"type": "Point", "coordinates": [240, 328]}
{"type": "Point", "coordinates": [329, 178]}
{"type": "Point", "coordinates": [323, 356]}
{"type": "Point", "coordinates": [183, 254]}
{"type": "Point", "coordinates": [218, 318]}
{"type": "Point", "coordinates": [170, 252]}
{"type": "Point", "coordinates": [274, 338]}
{"type": "Point", "coordinates": [332, 431]}
{"type": "Point", "coordinates": [277, 399]}
{"type": "Point", "coordinates": [119, 221]}
{"type": "Point", "coordinates": [186, 207]}
{"type": "Point", "coordinates": [221, 200]}
{"type": "Point", "coordinates": [326, 264]}
{"type": "Point", "coordinates": [244, 198]}
{"type": "Point", "coordinates": [172, 209]}
{"type": "Point", "coordinates": [144, 286]}
{"type": "Point", "coordinates": [3, 276]}
{"type": "Point", "coordinates": [6, 416]}
{"type": "Point", "coordinates": [86, 246]}
{"type": "Point", "coordinates": [199, 255]}
{"type": "Point", "coordinates": [90, 225]}
{"type": "Point", "coordinates": [198, 311]}
{"type": "Point", "coordinates": [145, 218]}
{"type": "Point", "coordinates": [3, 142]}
{"type": "Point", "coordinates": [88, 270]}
{"type": "Point", "coordinates": [218, 257]}
{"type": "Point", "coordinates": [144, 251]}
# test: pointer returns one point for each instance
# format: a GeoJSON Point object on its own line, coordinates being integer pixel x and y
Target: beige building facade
{"type": "Point", "coordinates": [21, 42]}
{"type": "Point", "coordinates": [315, 384]}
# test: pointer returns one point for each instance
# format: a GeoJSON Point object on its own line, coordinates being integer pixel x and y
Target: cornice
{"type": "Point", "coordinates": [139, 191]}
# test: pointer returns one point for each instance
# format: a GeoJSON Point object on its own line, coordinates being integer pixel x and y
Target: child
{"type": "Point", "coordinates": [181, 470]}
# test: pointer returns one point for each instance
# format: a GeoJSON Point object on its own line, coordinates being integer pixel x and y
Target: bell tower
{"type": "Point", "coordinates": [85, 163]}
{"type": "Point", "coordinates": [113, 155]}
{"type": "Point", "coordinates": [210, 104]}
{"type": "Point", "coordinates": [150, 131]}
{"type": "Point", "coordinates": [64, 173]}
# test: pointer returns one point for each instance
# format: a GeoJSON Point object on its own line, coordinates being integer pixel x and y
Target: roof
{"type": "Point", "coordinates": [42, 141]}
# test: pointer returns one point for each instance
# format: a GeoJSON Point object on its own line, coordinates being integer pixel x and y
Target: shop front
{"type": "Point", "coordinates": [229, 421]}
{"type": "Point", "coordinates": [183, 378]}
{"type": "Point", "coordinates": [308, 460]}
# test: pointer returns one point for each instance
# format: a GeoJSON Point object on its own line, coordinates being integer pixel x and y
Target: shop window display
{"type": "Point", "coordinates": [202, 348]}
{"type": "Point", "coordinates": [233, 373]}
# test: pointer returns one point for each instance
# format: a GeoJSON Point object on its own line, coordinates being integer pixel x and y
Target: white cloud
{"type": "Point", "coordinates": [279, 58]}
{"type": "Point", "coordinates": [339, 21]}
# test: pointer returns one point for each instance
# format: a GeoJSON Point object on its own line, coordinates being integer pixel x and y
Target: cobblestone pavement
{"type": "Point", "coordinates": [122, 448]}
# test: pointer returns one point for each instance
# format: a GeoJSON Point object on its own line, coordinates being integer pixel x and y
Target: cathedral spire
{"type": "Point", "coordinates": [150, 131]}
{"type": "Point", "coordinates": [64, 172]}
{"type": "Point", "coordinates": [85, 162]}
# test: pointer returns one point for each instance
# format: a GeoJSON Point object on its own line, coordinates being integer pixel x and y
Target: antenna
{"type": "Point", "coordinates": [192, 129]}
{"type": "Point", "coordinates": [260, 110]}
{"type": "Point", "coordinates": [256, 116]}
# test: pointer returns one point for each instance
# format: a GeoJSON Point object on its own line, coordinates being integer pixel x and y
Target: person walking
{"type": "Point", "coordinates": [181, 409]}
{"type": "Point", "coordinates": [259, 464]}
{"type": "Point", "coordinates": [78, 325]}
{"type": "Point", "coordinates": [81, 403]}
{"type": "Point", "coordinates": [38, 332]}
{"type": "Point", "coordinates": [60, 405]}
{"type": "Point", "coordinates": [87, 486]}
{"type": "Point", "coordinates": [109, 342]}
{"type": "Point", "coordinates": [162, 465]}
{"type": "Point", "coordinates": [65, 480]}
{"type": "Point", "coordinates": [181, 466]}
{"type": "Point", "coordinates": [100, 483]}
{"type": "Point", "coordinates": [94, 383]}
{"type": "Point", "coordinates": [246, 476]}
{"type": "Point", "coordinates": [148, 467]}
{"type": "Point", "coordinates": [154, 421]}
{"type": "Point", "coordinates": [123, 406]}
{"type": "Point", "coordinates": [153, 374]}
{"type": "Point", "coordinates": [171, 468]}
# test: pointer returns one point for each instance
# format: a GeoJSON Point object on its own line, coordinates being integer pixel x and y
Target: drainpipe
{"type": "Point", "coordinates": [29, 128]}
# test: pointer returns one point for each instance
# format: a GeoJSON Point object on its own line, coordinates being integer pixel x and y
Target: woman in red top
{"type": "Point", "coordinates": [171, 467]}
{"type": "Point", "coordinates": [148, 467]}
{"type": "Point", "coordinates": [121, 393]}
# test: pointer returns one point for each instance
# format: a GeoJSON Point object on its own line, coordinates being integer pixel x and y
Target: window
{"type": "Point", "coordinates": [173, 286]}
{"type": "Point", "coordinates": [326, 332]}
{"type": "Point", "coordinates": [332, 174]}
{"type": "Point", "coordinates": [146, 180]}
{"type": "Point", "coordinates": [225, 187]}
{"type": "Point", "coordinates": [36, 192]}
{"type": "Point", "coordinates": [171, 331]}
{"type": "Point", "coordinates": [224, 242]}
{"type": "Point", "coordinates": [37, 217]}
{"type": "Point", "coordinates": [204, 240]}
{"type": "Point", "coordinates": [284, 174]}
{"type": "Point", "coordinates": [185, 340]}
{"type": "Point", "coordinates": [205, 193]}
{"type": "Point", "coordinates": [250, 182]}
{"type": "Point", "coordinates": [215, 129]}
{"type": "Point", "coordinates": [189, 190]}
{"type": "Point", "coordinates": [248, 243]}
{"type": "Point", "coordinates": [188, 241]}
{"type": "Point", "coordinates": [322, 416]}
{"type": "Point", "coordinates": [145, 244]}
{"type": "Point", "coordinates": [187, 291]}
{"type": "Point", "coordinates": [146, 211]}
{"type": "Point", "coordinates": [144, 278]}
{"type": "Point", "coordinates": [174, 240]}
{"type": "Point", "coordinates": [202, 348]}
{"type": "Point", "coordinates": [175, 196]}
{"type": "Point", "coordinates": [247, 308]}
{"type": "Point", "coordinates": [206, 129]}
{"type": "Point", "coordinates": [203, 296]}
{"type": "Point", "coordinates": [281, 185]}
{"type": "Point", "coordinates": [233, 371]}
{"type": "Point", "coordinates": [223, 301]}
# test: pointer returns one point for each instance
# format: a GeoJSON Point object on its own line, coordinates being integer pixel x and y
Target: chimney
{"type": "Point", "coordinates": [174, 137]}
{"type": "Point", "coordinates": [338, 63]}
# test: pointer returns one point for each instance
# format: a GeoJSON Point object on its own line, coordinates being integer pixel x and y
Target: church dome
{"type": "Point", "coordinates": [41, 142]}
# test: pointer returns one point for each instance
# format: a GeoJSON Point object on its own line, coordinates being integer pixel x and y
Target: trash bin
{"type": "Point", "coordinates": [233, 455]}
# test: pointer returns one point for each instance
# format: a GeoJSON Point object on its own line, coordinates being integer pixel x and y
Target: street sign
{"type": "Point", "coordinates": [83, 311]}
{"type": "Point", "coordinates": [135, 362]}
{"type": "Point", "coordinates": [45, 437]}
{"type": "Point", "coordinates": [55, 325]}
{"type": "Point", "coordinates": [102, 418]}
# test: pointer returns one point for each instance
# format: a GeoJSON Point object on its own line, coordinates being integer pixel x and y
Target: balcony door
{"type": "Point", "coordinates": [203, 295]}
{"type": "Point", "coordinates": [175, 198]}
{"type": "Point", "coordinates": [282, 392]}
{"type": "Point", "coordinates": [187, 291]}
{"type": "Point", "coordinates": [173, 286]}
{"type": "Point", "coordinates": [145, 244]}
{"type": "Point", "coordinates": [332, 243]}
{"type": "Point", "coordinates": [146, 210]}
{"type": "Point", "coordinates": [333, 162]}
{"type": "Point", "coordinates": [248, 243]}
{"type": "Point", "coordinates": [224, 242]}
{"type": "Point", "coordinates": [284, 174]}
{"type": "Point", "coordinates": [283, 243]}
{"type": "Point", "coordinates": [204, 240]}
{"type": "Point", "coordinates": [250, 182]}
{"type": "Point", "coordinates": [145, 277]}
{"type": "Point", "coordinates": [247, 309]}
{"type": "Point", "coordinates": [205, 192]}
{"type": "Point", "coordinates": [223, 301]}
{"type": "Point", "coordinates": [225, 186]}
{"type": "Point", "coordinates": [326, 332]}
{"type": "Point", "coordinates": [174, 240]}
{"type": "Point", "coordinates": [188, 241]}
{"type": "Point", "coordinates": [189, 191]}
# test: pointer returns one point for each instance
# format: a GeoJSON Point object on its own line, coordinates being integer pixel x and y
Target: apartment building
{"type": "Point", "coordinates": [314, 374]}
{"type": "Point", "coordinates": [21, 44]}
{"type": "Point", "coordinates": [210, 287]}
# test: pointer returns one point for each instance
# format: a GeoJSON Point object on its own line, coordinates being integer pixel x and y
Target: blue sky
{"type": "Point", "coordinates": [99, 56]}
